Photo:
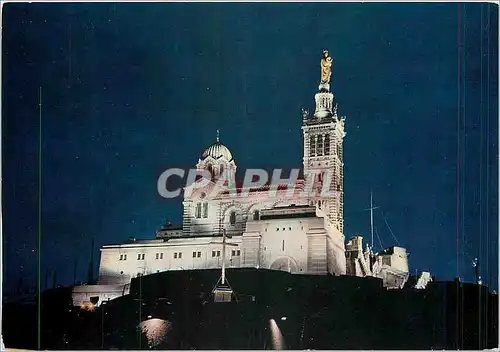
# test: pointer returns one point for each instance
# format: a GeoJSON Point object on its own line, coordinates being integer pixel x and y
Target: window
{"type": "Point", "coordinates": [277, 229]}
{"type": "Point", "coordinates": [143, 256]}
{"type": "Point", "coordinates": [256, 215]}
{"type": "Point", "coordinates": [198, 210]}
{"type": "Point", "coordinates": [157, 255]}
{"type": "Point", "coordinates": [327, 145]}
{"type": "Point", "coordinates": [319, 146]}
{"type": "Point", "coordinates": [312, 146]}
{"type": "Point", "coordinates": [124, 257]}
{"type": "Point", "coordinates": [175, 255]}
{"type": "Point", "coordinates": [121, 256]}
{"type": "Point", "coordinates": [218, 253]}
{"type": "Point", "coordinates": [289, 229]}
{"type": "Point", "coordinates": [232, 218]}
{"type": "Point", "coordinates": [233, 253]}
{"type": "Point", "coordinates": [121, 272]}
{"type": "Point", "coordinates": [238, 252]}
{"type": "Point", "coordinates": [180, 255]}
{"type": "Point", "coordinates": [138, 257]}
{"type": "Point", "coordinates": [221, 168]}
{"type": "Point", "coordinates": [194, 254]}
{"type": "Point", "coordinates": [213, 253]}
{"type": "Point", "coordinates": [283, 245]}
{"type": "Point", "coordinates": [199, 254]}
{"type": "Point", "coordinates": [161, 255]}
{"type": "Point", "coordinates": [205, 210]}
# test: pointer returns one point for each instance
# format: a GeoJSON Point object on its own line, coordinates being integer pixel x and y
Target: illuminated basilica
{"type": "Point", "coordinates": [300, 235]}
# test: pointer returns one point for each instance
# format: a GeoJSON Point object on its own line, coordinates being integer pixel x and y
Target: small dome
{"type": "Point", "coordinates": [217, 151]}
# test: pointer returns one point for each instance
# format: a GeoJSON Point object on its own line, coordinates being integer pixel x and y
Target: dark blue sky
{"type": "Point", "coordinates": [132, 89]}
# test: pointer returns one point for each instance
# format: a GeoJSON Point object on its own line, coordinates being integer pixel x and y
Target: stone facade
{"type": "Point", "coordinates": [390, 265]}
{"type": "Point", "coordinates": [283, 231]}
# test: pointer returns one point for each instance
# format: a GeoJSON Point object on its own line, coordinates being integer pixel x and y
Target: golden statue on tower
{"type": "Point", "coordinates": [326, 67]}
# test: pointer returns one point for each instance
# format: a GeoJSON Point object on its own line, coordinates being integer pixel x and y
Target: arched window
{"type": "Point", "coordinates": [232, 218]}
{"type": "Point", "coordinates": [198, 210]}
{"type": "Point", "coordinates": [312, 146]}
{"type": "Point", "coordinates": [327, 145]}
{"type": "Point", "coordinates": [256, 215]}
{"type": "Point", "coordinates": [319, 146]}
{"type": "Point", "coordinates": [205, 210]}
{"type": "Point", "coordinates": [221, 169]}
{"type": "Point", "coordinates": [210, 169]}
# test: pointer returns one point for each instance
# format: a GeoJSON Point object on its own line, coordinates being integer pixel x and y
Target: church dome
{"type": "Point", "coordinates": [217, 151]}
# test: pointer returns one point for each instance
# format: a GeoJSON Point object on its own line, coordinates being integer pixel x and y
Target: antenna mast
{"type": "Point", "coordinates": [371, 209]}
{"type": "Point", "coordinates": [371, 215]}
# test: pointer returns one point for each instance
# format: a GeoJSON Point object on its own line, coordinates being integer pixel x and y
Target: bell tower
{"type": "Point", "coordinates": [323, 139]}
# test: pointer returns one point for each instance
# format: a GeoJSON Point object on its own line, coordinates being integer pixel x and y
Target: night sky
{"type": "Point", "coordinates": [132, 89]}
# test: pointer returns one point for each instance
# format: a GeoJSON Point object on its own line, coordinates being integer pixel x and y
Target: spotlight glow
{"type": "Point", "coordinates": [156, 331]}
{"type": "Point", "coordinates": [87, 306]}
{"type": "Point", "coordinates": [276, 336]}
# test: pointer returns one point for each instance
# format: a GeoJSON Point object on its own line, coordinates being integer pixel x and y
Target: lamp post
{"type": "Point", "coordinates": [224, 244]}
{"type": "Point", "coordinates": [223, 293]}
